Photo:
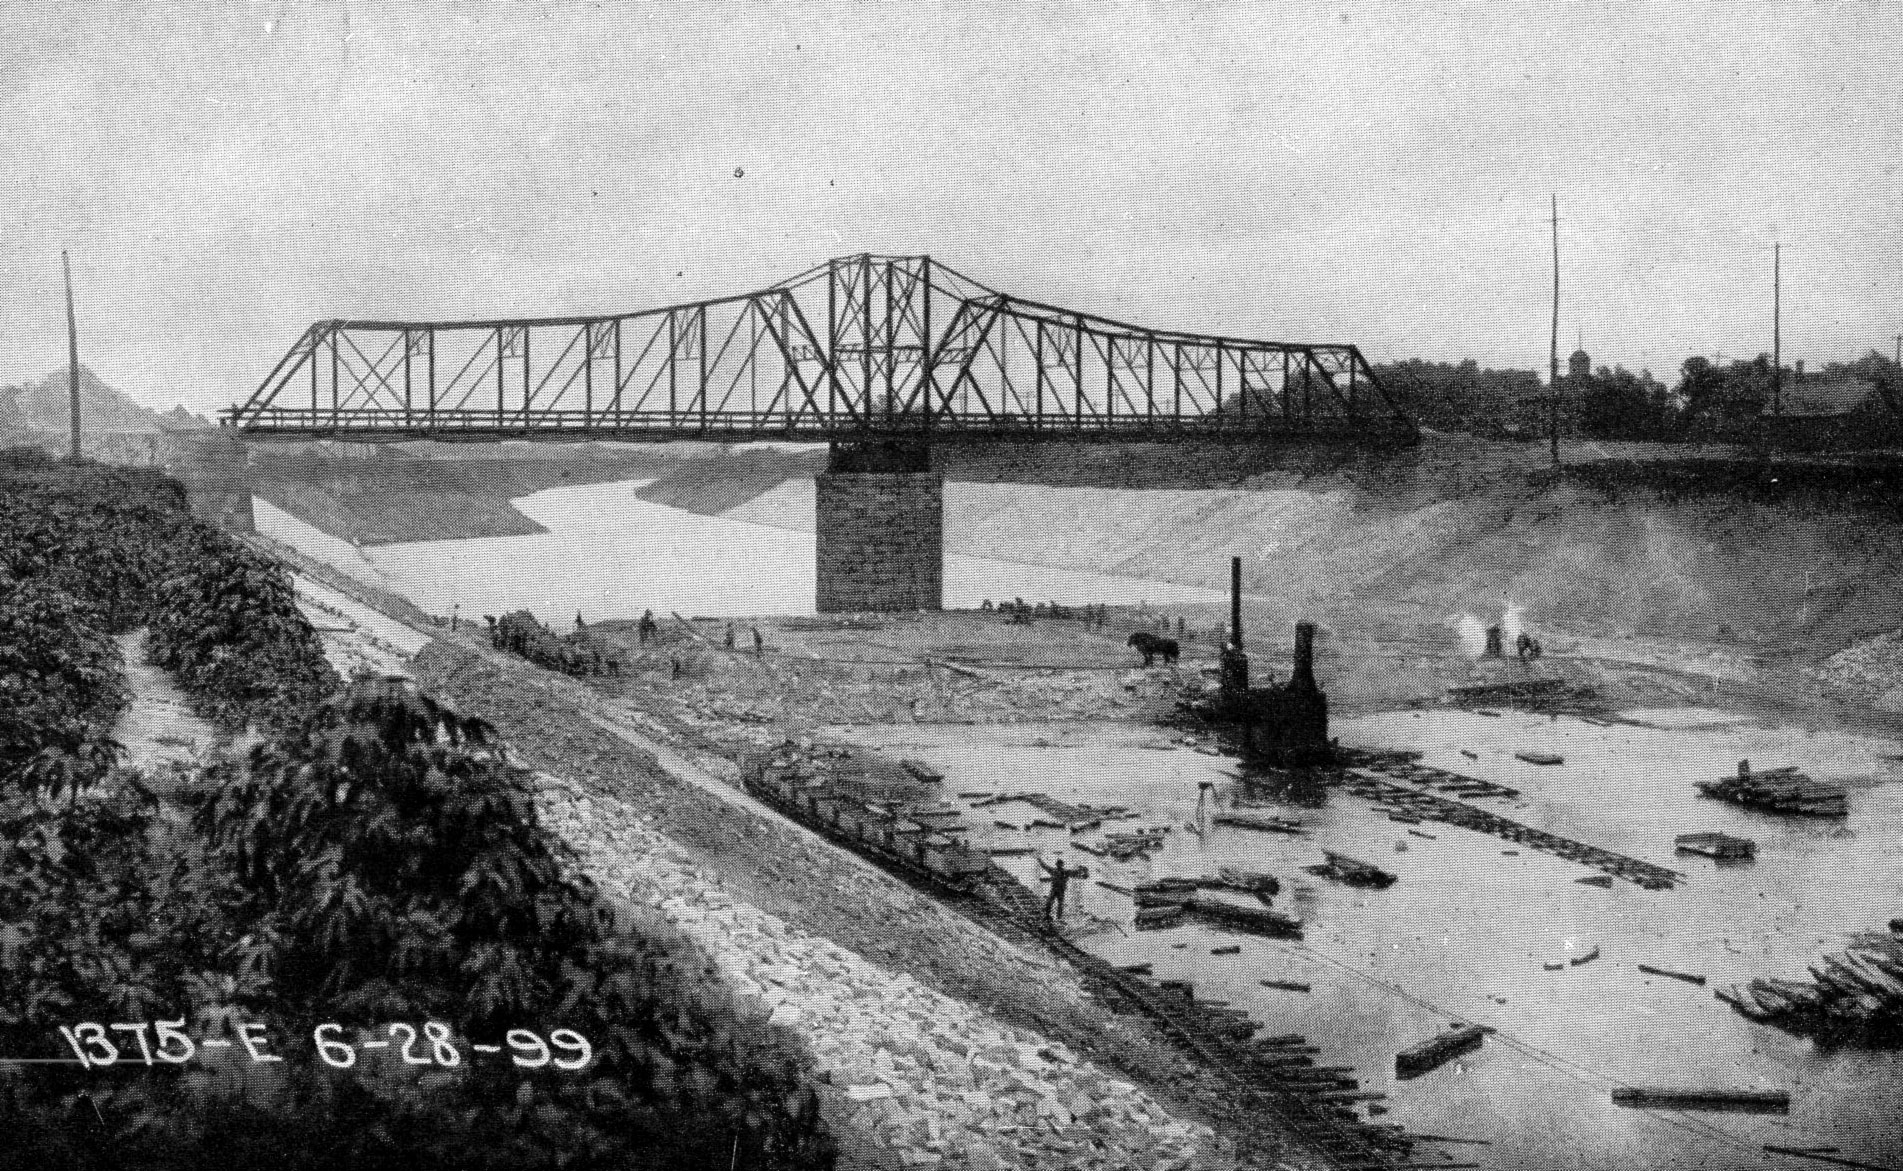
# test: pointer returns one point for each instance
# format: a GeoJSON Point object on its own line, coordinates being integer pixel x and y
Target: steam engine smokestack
{"type": "Point", "coordinates": [1235, 601]}
{"type": "Point", "coordinates": [1304, 676]}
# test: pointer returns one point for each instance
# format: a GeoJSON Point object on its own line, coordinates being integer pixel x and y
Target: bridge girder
{"type": "Point", "coordinates": [861, 348]}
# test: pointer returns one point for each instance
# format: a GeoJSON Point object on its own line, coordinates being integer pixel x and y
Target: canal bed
{"type": "Point", "coordinates": [1466, 932]}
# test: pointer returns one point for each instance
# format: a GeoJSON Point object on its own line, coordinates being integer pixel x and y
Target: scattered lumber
{"type": "Point", "coordinates": [1229, 950]}
{"type": "Point", "coordinates": [1249, 881]}
{"type": "Point", "coordinates": [1599, 880]}
{"type": "Point", "coordinates": [1588, 958]}
{"type": "Point", "coordinates": [1285, 985]}
{"type": "Point", "coordinates": [1532, 757]}
{"type": "Point", "coordinates": [1259, 821]}
{"type": "Point", "coordinates": [1735, 1101]}
{"type": "Point", "coordinates": [922, 771]}
{"type": "Point", "coordinates": [1782, 790]}
{"type": "Point", "coordinates": [1823, 1155]}
{"type": "Point", "coordinates": [1649, 970]}
{"type": "Point", "coordinates": [1342, 868]}
{"type": "Point", "coordinates": [1438, 1051]}
{"type": "Point", "coordinates": [1547, 696]}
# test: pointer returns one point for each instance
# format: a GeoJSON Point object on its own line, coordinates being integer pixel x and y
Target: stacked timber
{"type": "Point", "coordinates": [1856, 991]}
{"type": "Point", "coordinates": [1342, 868]}
{"type": "Point", "coordinates": [1716, 845]}
{"type": "Point", "coordinates": [1735, 1101]}
{"type": "Point", "coordinates": [1163, 892]}
{"type": "Point", "coordinates": [1234, 913]}
{"type": "Point", "coordinates": [1433, 1053]}
{"type": "Point", "coordinates": [1782, 790]}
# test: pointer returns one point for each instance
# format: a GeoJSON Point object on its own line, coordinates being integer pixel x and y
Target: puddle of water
{"type": "Point", "coordinates": [1466, 932]}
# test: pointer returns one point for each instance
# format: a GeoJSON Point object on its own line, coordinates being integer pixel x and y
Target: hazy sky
{"type": "Point", "coordinates": [226, 173]}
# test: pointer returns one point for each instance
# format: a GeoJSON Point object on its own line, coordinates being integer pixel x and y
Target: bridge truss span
{"type": "Point", "coordinates": [861, 348]}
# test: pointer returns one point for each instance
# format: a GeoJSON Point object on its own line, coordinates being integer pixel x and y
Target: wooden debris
{"type": "Point", "coordinates": [1249, 881]}
{"type": "Point", "coordinates": [1432, 1054]}
{"type": "Point", "coordinates": [1342, 868]}
{"type": "Point", "coordinates": [1260, 821]}
{"type": "Point", "coordinates": [1230, 950]}
{"type": "Point", "coordinates": [1285, 985]}
{"type": "Point", "coordinates": [1540, 757]}
{"type": "Point", "coordinates": [1736, 1101]}
{"type": "Point", "coordinates": [1649, 970]}
{"type": "Point", "coordinates": [1856, 991]}
{"type": "Point", "coordinates": [1588, 958]}
{"type": "Point", "coordinates": [1419, 834]}
{"type": "Point", "coordinates": [1599, 880]}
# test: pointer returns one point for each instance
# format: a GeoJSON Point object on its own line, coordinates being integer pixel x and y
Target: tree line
{"type": "Point", "coordinates": [1708, 400]}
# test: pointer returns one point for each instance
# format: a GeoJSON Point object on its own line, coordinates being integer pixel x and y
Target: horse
{"type": "Point", "coordinates": [1150, 646]}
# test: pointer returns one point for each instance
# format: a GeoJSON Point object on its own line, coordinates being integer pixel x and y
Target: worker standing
{"type": "Point", "coordinates": [759, 644]}
{"type": "Point", "coordinates": [1060, 886]}
{"type": "Point", "coordinates": [729, 636]}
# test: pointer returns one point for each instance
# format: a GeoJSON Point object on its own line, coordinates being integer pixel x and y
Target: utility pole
{"type": "Point", "coordinates": [1552, 368]}
{"type": "Point", "coordinates": [1777, 353]}
{"type": "Point", "coordinates": [72, 350]}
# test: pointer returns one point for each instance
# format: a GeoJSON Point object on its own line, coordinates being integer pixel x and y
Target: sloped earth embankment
{"type": "Point", "coordinates": [1799, 563]}
{"type": "Point", "coordinates": [945, 1043]}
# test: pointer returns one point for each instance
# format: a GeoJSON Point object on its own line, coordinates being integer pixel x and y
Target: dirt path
{"type": "Point", "coordinates": [159, 729]}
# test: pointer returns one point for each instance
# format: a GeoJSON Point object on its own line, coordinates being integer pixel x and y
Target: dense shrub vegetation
{"type": "Point", "coordinates": [379, 861]}
{"type": "Point", "coordinates": [399, 873]}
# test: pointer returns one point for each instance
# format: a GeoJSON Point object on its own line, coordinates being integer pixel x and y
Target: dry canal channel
{"type": "Point", "coordinates": [1477, 929]}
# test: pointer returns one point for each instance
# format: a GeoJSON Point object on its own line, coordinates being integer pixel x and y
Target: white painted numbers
{"type": "Point", "coordinates": [166, 1042]}
{"type": "Point", "coordinates": [436, 1046]}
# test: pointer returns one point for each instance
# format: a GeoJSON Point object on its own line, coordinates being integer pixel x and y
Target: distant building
{"type": "Point", "coordinates": [1810, 396]}
{"type": "Point", "coordinates": [1579, 368]}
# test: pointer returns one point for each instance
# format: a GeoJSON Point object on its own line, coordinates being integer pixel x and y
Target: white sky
{"type": "Point", "coordinates": [226, 173]}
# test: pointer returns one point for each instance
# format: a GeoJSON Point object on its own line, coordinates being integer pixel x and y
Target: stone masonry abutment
{"type": "Point", "coordinates": [881, 530]}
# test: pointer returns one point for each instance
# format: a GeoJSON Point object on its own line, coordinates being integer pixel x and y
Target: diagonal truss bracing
{"type": "Point", "coordinates": [859, 348]}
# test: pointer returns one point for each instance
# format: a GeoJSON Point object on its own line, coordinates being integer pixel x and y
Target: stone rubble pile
{"type": "Point", "coordinates": [1872, 668]}
{"type": "Point", "coordinates": [917, 1079]}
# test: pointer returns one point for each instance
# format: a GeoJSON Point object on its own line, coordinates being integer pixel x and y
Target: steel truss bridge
{"type": "Point", "coordinates": [859, 349]}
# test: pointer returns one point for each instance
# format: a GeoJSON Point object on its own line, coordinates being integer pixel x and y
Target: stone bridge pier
{"type": "Point", "coordinates": [881, 529]}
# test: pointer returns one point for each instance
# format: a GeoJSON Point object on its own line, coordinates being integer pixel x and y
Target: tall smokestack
{"type": "Point", "coordinates": [1235, 601]}
{"type": "Point", "coordinates": [1304, 676]}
